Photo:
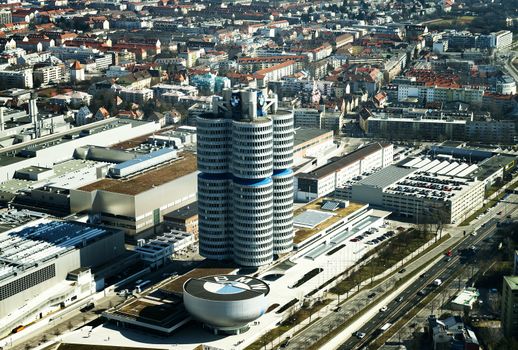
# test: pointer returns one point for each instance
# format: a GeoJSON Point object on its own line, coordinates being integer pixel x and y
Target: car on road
{"type": "Point", "coordinates": [403, 270]}
{"type": "Point", "coordinates": [359, 335]}
{"type": "Point", "coordinates": [448, 259]}
{"type": "Point", "coordinates": [422, 275]}
{"type": "Point", "coordinates": [474, 233]}
{"type": "Point", "coordinates": [499, 213]}
{"type": "Point", "coordinates": [399, 299]}
{"type": "Point", "coordinates": [336, 309]}
{"type": "Point", "coordinates": [383, 309]}
{"type": "Point", "coordinates": [421, 293]}
{"type": "Point", "coordinates": [285, 344]}
{"type": "Point", "coordinates": [371, 295]}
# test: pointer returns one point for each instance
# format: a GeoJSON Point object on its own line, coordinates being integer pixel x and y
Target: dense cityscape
{"type": "Point", "coordinates": [258, 174]}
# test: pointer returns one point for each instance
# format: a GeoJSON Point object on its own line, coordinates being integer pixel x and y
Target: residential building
{"type": "Point", "coordinates": [5, 16]}
{"type": "Point", "coordinates": [50, 74]}
{"type": "Point", "coordinates": [21, 79]}
{"type": "Point", "coordinates": [452, 333]}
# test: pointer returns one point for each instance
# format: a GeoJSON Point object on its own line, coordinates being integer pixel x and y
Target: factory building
{"type": "Point", "coordinates": [139, 191]}
{"type": "Point", "coordinates": [336, 173]}
{"type": "Point", "coordinates": [61, 146]}
{"type": "Point", "coordinates": [158, 251]}
{"type": "Point", "coordinates": [423, 189]}
{"type": "Point", "coordinates": [245, 189]}
{"type": "Point", "coordinates": [46, 266]}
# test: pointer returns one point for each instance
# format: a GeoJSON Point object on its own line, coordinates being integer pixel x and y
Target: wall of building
{"type": "Point", "coordinates": [136, 213]}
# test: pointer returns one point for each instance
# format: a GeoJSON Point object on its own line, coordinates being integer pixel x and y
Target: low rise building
{"type": "Point", "coordinates": [336, 173]}
{"type": "Point", "coordinates": [423, 189]}
{"type": "Point", "coordinates": [465, 299]}
{"type": "Point", "coordinates": [510, 306]}
{"type": "Point", "coordinates": [310, 143]}
{"type": "Point", "coordinates": [183, 219]}
{"type": "Point", "coordinates": [452, 333]}
{"type": "Point", "coordinates": [156, 252]}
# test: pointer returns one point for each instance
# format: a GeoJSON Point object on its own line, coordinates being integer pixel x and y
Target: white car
{"type": "Point", "coordinates": [383, 309]}
{"type": "Point", "coordinates": [359, 335]}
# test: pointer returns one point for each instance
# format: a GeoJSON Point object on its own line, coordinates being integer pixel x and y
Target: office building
{"type": "Point", "coordinates": [510, 306]}
{"type": "Point", "coordinates": [183, 219]}
{"type": "Point", "coordinates": [338, 171]}
{"type": "Point", "coordinates": [245, 189]}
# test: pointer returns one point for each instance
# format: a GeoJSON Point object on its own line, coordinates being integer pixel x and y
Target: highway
{"type": "Point", "coordinates": [446, 270]}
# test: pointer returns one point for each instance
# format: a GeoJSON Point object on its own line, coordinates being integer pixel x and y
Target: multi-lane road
{"type": "Point", "coordinates": [446, 270]}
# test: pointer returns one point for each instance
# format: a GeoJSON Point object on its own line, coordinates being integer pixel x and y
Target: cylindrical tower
{"type": "Point", "coordinates": [252, 191]}
{"type": "Point", "coordinates": [282, 211]}
{"type": "Point", "coordinates": [214, 225]}
{"type": "Point", "coordinates": [252, 149]}
{"type": "Point", "coordinates": [245, 189]}
{"type": "Point", "coordinates": [282, 181]}
{"type": "Point", "coordinates": [252, 221]}
{"type": "Point", "coordinates": [214, 186]}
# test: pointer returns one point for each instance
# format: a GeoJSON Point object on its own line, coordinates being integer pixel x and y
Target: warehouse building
{"type": "Point", "coordinates": [46, 265]}
{"type": "Point", "coordinates": [327, 178]}
{"type": "Point", "coordinates": [423, 189]}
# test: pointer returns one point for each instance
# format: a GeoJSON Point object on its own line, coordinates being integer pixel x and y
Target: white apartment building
{"type": "Point", "coordinates": [440, 94]}
{"type": "Point", "coordinates": [502, 39]}
{"type": "Point", "coordinates": [50, 74]}
{"type": "Point", "coordinates": [135, 95]}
